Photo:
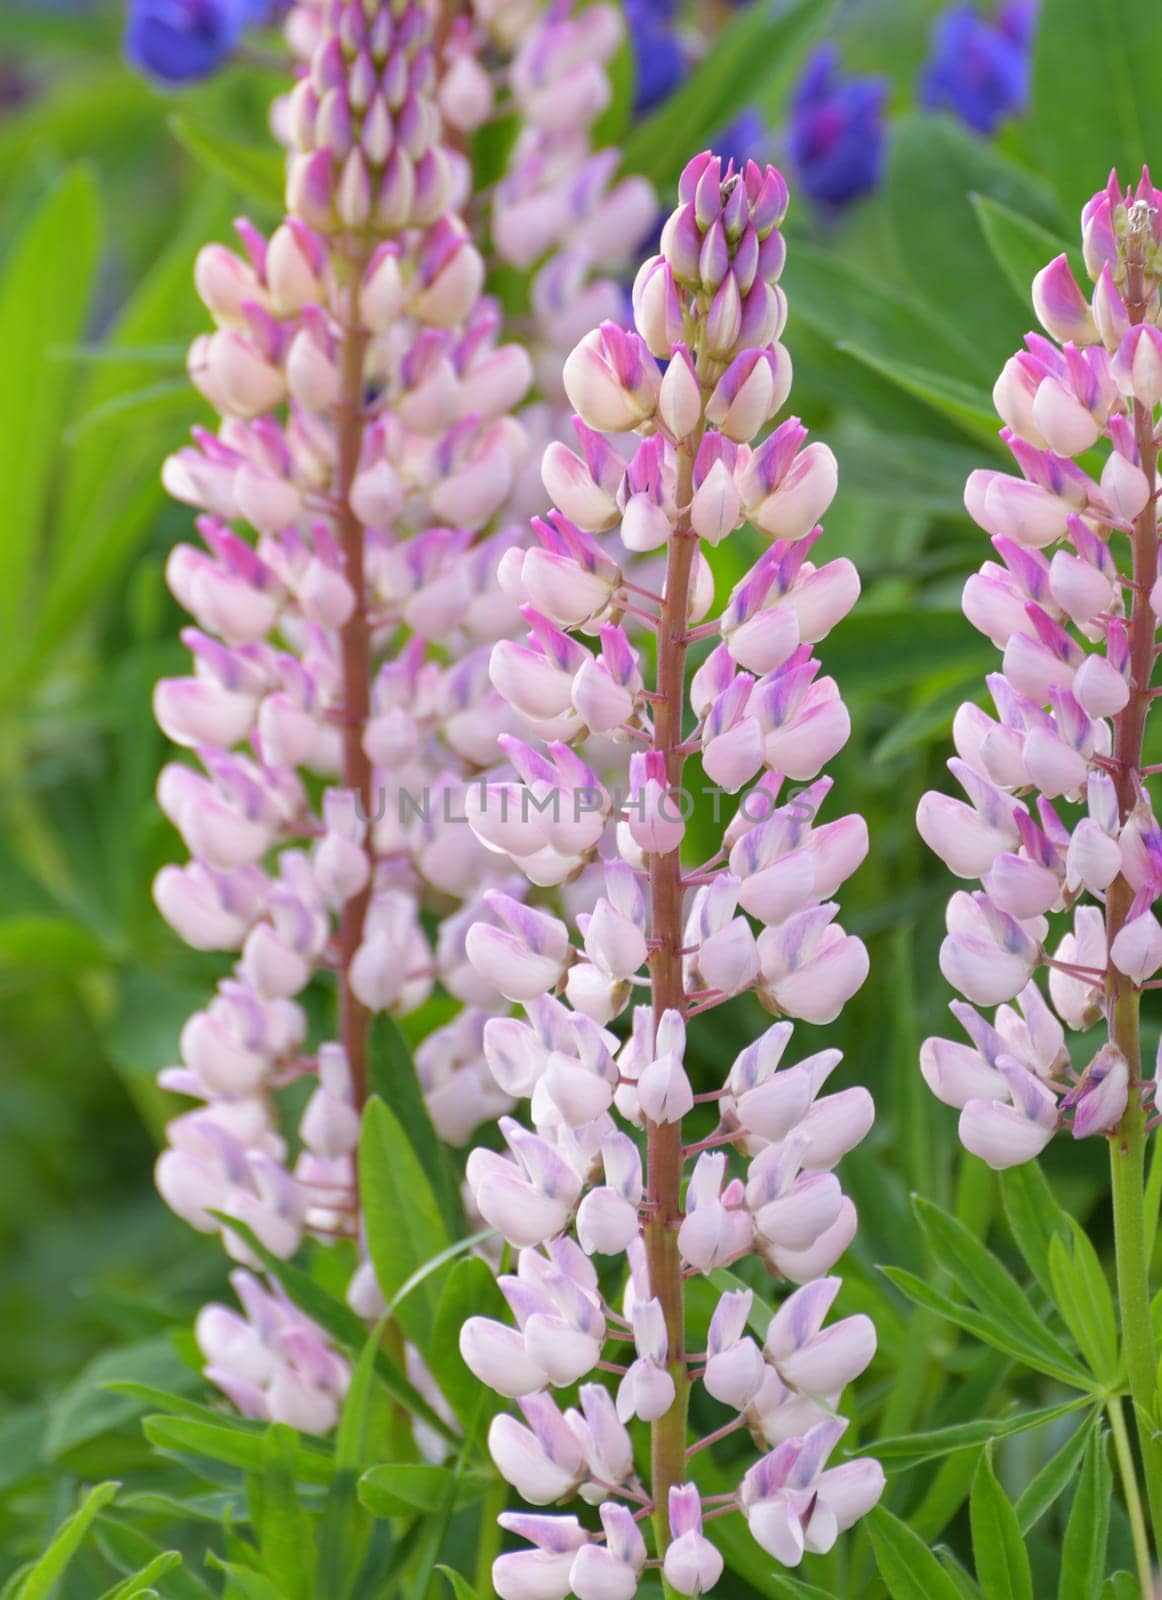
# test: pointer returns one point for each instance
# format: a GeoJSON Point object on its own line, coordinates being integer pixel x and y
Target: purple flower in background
{"type": "Point", "coordinates": [180, 41]}
{"type": "Point", "coordinates": [743, 138]}
{"type": "Point", "coordinates": [835, 136]}
{"type": "Point", "coordinates": [979, 69]}
{"type": "Point", "coordinates": [659, 60]}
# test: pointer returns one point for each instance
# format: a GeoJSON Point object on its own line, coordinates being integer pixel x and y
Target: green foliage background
{"type": "Point", "coordinates": [900, 318]}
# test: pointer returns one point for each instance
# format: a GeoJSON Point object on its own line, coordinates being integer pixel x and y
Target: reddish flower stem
{"type": "Point", "coordinates": [355, 662]}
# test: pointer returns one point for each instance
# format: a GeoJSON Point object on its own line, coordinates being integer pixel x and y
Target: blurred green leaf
{"type": "Point", "coordinates": [858, 312]}
{"type": "Point", "coordinates": [225, 1441]}
{"type": "Point", "coordinates": [1093, 69]}
{"type": "Point", "coordinates": [256, 171]}
{"type": "Point", "coordinates": [469, 1291]}
{"type": "Point", "coordinates": [252, 1584]}
{"type": "Point", "coordinates": [402, 1489]}
{"type": "Point", "coordinates": [878, 652]}
{"type": "Point", "coordinates": [285, 1533]}
{"type": "Point", "coordinates": [1002, 1562]}
{"type": "Point", "coordinates": [42, 944]}
{"type": "Point", "coordinates": [127, 1549]}
{"type": "Point", "coordinates": [44, 304]}
{"type": "Point", "coordinates": [41, 1581]}
{"type": "Point", "coordinates": [461, 1588]}
{"type": "Point", "coordinates": [141, 1583]}
{"type": "Point", "coordinates": [907, 1566]}
{"type": "Point", "coordinates": [1083, 1552]}
{"type": "Point", "coordinates": [920, 474]}
{"type": "Point", "coordinates": [361, 1439]}
{"type": "Point", "coordinates": [1022, 247]}
{"type": "Point", "coordinates": [88, 1406]}
{"type": "Point", "coordinates": [404, 1227]}
{"type": "Point", "coordinates": [752, 41]}
{"type": "Point", "coordinates": [393, 1077]}
{"type": "Point", "coordinates": [934, 167]}
{"type": "Point", "coordinates": [112, 483]}
{"type": "Point", "coordinates": [962, 402]}
{"type": "Point", "coordinates": [1121, 1586]}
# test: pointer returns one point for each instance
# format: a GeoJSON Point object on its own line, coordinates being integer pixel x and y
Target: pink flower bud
{"type": "Point", "coordinates": [611, 379]}
{"type": "Point", "coordinates": [680, 397]}
{"type": "Point", "coordinates": [1061, 308]}
{"type": "Point", "coordinates": [1099, 1101]}
{"type": "Point", "coordinates": [692, 1564]}
{"type": "Point", "coordinates": [1137, 365]}
{"type": "Point", "coordinates": [803, 493]}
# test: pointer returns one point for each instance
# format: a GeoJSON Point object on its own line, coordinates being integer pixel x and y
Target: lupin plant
{"type": "Point", "coordinates": [1059, 819]}
{"type": "Point", "coordinates": [667, 415]}
{"type": "Point", "coordinates": [340, 696]}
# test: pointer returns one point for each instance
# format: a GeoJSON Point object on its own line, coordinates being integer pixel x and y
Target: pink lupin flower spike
{"type": "Point", "coordinates": [606, 1168]}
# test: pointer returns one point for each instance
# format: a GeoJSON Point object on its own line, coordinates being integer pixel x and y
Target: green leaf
{"type": "Point", "coordinates": [393, 1076]}
{"type": "Point", "coordinates": [404, 1227]}
{"type": "Point", "coordinates": [256, 171]}
{"type": "Point", "coordinates": [911, 472]}
{"type": "Point", "coordinates": [90, 1406]}
{"type": "Point", "coordinates": [848, 307]}
{"type": "Point", "coordinates": [232, 1445]}
{"type": "Point", "coordinates": [44, 302]}
{"type": "Point", "coordinates": [934, 166]}
{"type": "Point", "coordinates": [1082, 1295]}
{"type": "Point", "coordinates": [252, 1584]}
{"type": "Point", "coordinates": [1034, 1217]}
{"type": "Point", "coordinates": [1083, 1552]}
{"type": "Point", "coordinates": [745, 52]}
{"type": "Point", "coordinates": [1002, 1562]}
{"type": "Point", "coordinates": [402, 1489]}
{"type": "Point", "coordinates": [981, 1327]}
{"type": "Point", "coordinates": [908, 1450]}
{"type": "Point", "coordinates": [469, 1291]}
{"type": "Point", "coordinates": [1095, 67]}
{"type": "Point", "coordinates": [780, 1586]}
{"type": "Point", "coordinates": [40, 1581]}
{"type": "Point", "coordinates": [907, 1566]}
{"type": "Point", "coordinates": [879, 652]}
{"type": "Point", "coordinates": [141, 1582]}
{"type": "Point", "coordinates": [112, 484]}
{"type": "Point", "coordinates": [128, 1549]}
{"type": "Point", "coordinates": [285, 1532]}
{"type": "Point", "coordinates": [361, 1439]}
{"type": "Point", "coordinates": [461, 1588]}
{"type": "Point", "coordinates": [1021, 246]}
{"type": "Point", "coordinates": [1121, 1586]}
{"type": "Point", "coordinates": [991, 1287]}
{"type": "Point", "coordinates": [963, 403]}
{"type": "Point", "coordinates": [1055, 1476]}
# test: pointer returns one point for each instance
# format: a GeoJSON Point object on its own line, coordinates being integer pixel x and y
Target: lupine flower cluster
{"type": "Point", "coordinates": [340, 695]}
{"type": "Point", "coordinates": [979, 68]}
{"type": "Point", "coordinates": [667, 415]}
{"type": "Point", "coordinates": [557, 210]}
{"type": "Point", "coordinates": [1057, 819]}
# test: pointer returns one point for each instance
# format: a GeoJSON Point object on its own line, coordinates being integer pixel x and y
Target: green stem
{"type": "Point", "coordinates": [1127, 1169]}
{"type": "Point", "coordinates": [1132, 1493]}
{"type": "Point", "coordinates": [1132, 1228]}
